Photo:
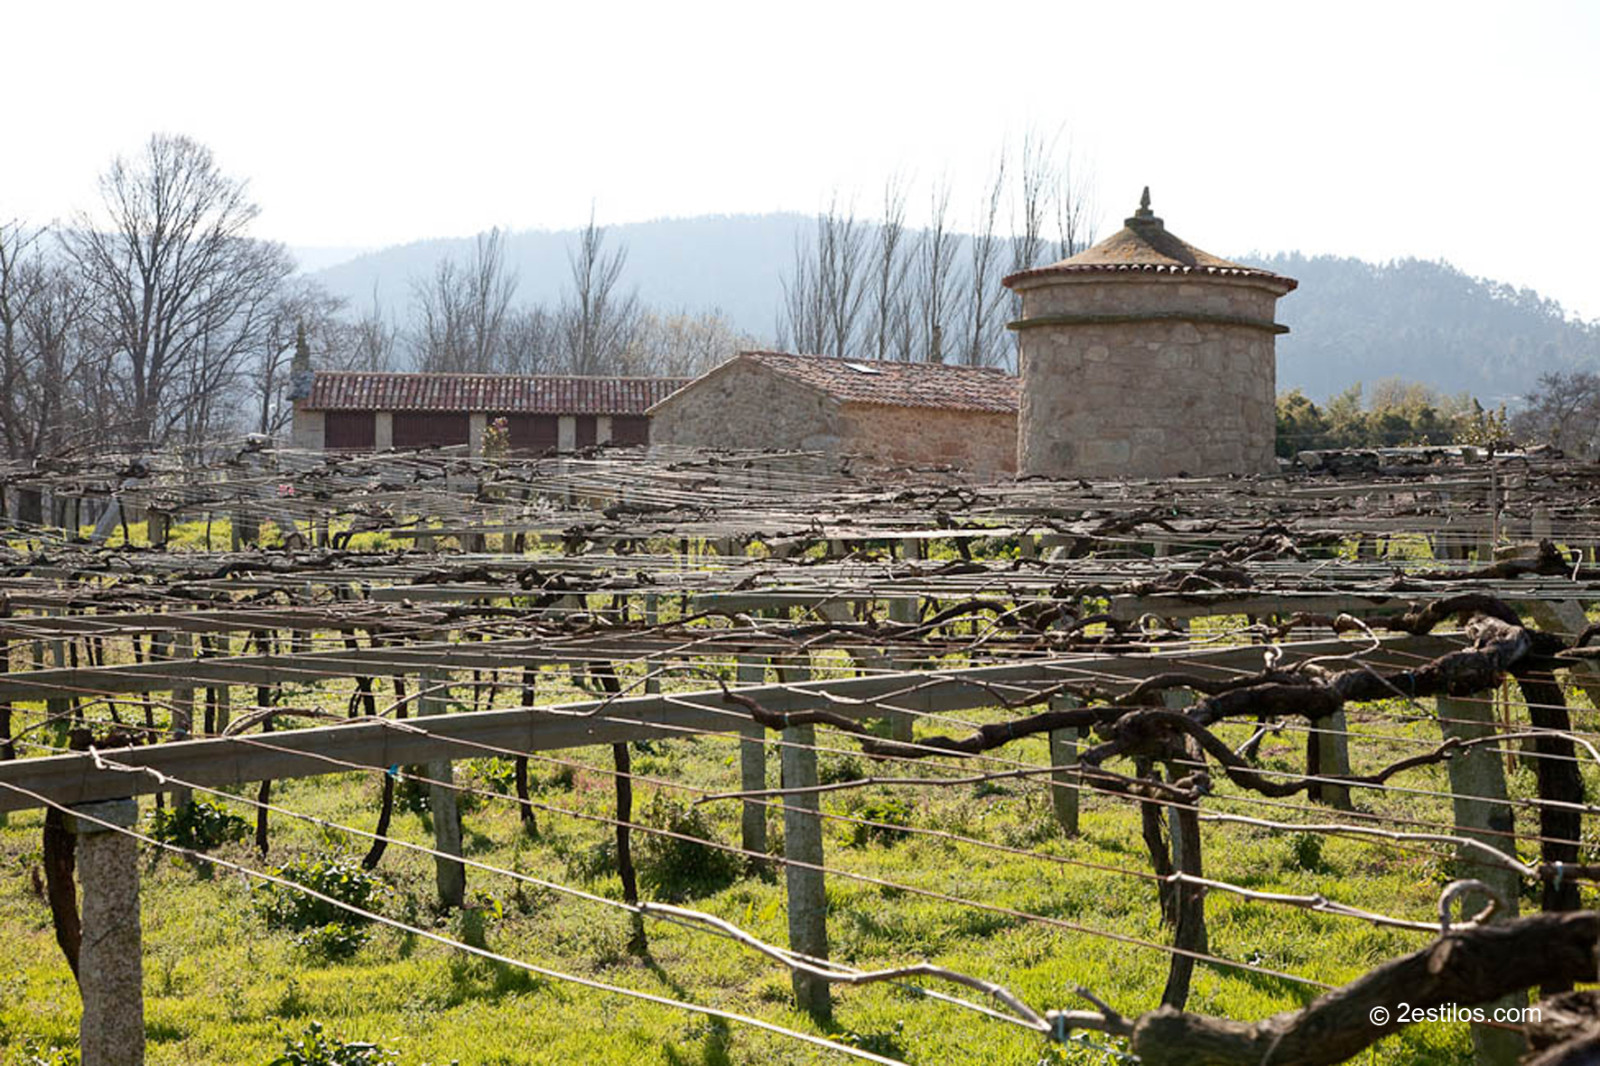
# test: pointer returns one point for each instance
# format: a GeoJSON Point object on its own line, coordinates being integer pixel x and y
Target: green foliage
{"type": "Point", "coordinates": [673, 868]}
{"type": "Point", "coordinates": [890, 810]}
{"type": "Point", "coordinates": [199, 825]}
{"type": "Point", "coordinates": [833, 767]}
{"type": "Point", "coordinates": [1397, 414]}
{"type": "Point", "coordinates": [1306, 852]}
{"type": "Point", "coordinates": [325, 929]}
{"type": "Point", "coordinates": [499, 775]}
{"type": "Point", "coordinates": [316, 1048]}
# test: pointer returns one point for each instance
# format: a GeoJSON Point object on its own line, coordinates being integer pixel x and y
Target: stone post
{"type": "Point", "coordinates": [110, 970]}
{"type": "Point", "coordinates": [652, 614]}
{"type": "Point", "coordinates": [1329, 743]}
{"type": "Point", "coordinates": [902, 609]}
{"type": "Point", "coordinates": [802, 843]}
{"type": "Point", "coordinates": [752, 766]}
{"type": "Point", "coordinates": [450, 876]}
{"type": "Point", "coordinates": [182, 648]}
{"type": "Point", "coordinates": [1482, 814]}
{"type": "Point", "coordinates": [1064, 781]}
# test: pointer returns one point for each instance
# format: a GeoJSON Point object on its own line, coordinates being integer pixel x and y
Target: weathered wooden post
{"type": "Point", "coordinates": [802, 843]}
{"type": "Point", "coordinates": [181, 645]}
{"type": "Point", "coordinates": [110, 966]}
{"type": "Point", "coordinates": [449, 874]}
{"type": "Point", "coordinates": [1478, 785]}
{"type": "Point", "coordinates": [752, 766]}
{"type": "Point", "coordinates": [902, 609]}
{"type": "Point", "coordinates": [1328, 755]}
{"type": "Point", "coordinates": [1064, 780]}
{"type": "Point", "coordinates": [652, 614]}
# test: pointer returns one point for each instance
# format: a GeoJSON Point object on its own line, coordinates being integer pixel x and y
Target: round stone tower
{"type": "Point", "coordinates": [1146, 357]}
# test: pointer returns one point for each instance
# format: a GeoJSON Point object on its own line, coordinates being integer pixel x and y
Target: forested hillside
{"type": "Point", "coordinates": [1353, 321]}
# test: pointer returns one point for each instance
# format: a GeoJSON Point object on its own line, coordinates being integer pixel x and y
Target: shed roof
{"type": "Point", "coordinates": [894, 384]}
{"type": "Point", "coordinates": [497, 393]}
{"type": "Point", "coordinates": [1143, 245]}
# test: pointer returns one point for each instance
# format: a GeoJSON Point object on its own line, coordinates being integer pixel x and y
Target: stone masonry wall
{"type": "Point", "coordinates": [742, 405]}
{"type": "Point", "coordinates": [1147, 398]}
{"type": "Point", "coordinates": [307, 430]}
{"type": "Point", "coordinates": [983, 442]}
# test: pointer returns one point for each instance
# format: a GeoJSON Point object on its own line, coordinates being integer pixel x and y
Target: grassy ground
{"type": "Point", "coordinates": [223, 988]}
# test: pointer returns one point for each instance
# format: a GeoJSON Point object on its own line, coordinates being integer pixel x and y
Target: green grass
{"type": "Point", "coordinates": [222, 988]}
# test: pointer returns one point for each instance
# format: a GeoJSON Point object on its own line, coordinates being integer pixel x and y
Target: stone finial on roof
{"type": "Point", "coordinates": [300, 375]}
{"type": "Point", "coordinates": [1144, 216]}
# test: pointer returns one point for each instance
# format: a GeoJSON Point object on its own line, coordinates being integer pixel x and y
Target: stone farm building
{"type": "Point", "coordinates": [899, 413]}
{"type": "Point", "coordinates": [356, 411]}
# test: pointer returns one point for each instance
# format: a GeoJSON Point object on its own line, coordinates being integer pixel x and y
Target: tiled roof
{"type": "Point", "coordinates": [879, 381]}
{"type": "Point", "coordinates": [1143, 245]}
{"type": "Point", "coordinates": [355, 391]}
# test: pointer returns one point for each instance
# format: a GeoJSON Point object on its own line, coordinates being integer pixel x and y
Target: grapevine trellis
{"type": "Point", "coordinates": [797, 602]}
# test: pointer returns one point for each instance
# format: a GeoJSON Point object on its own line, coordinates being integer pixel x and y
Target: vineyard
{"type": "Point", "coordinates": [680, 757]}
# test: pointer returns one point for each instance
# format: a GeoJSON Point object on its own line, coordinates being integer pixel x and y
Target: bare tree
{"type": "Point", "coordinates": [303, 309]}
{"type": "Point", "coordinates": [1563, 411]}
{"type": "Point", "coordinates": [891, 269]}
{"type": "Point", "coordinates": [1031, 201]}
{"type": "Point", "coordinates": [461, 311]}
{"type": "Point", "coordinates": [841, 262]}
{"type": "Point", "coordinates": [46, 390]}
{"type": "Point", "coordinates": [1074, 206]}
{"type": "Point", "coordinates": [802, 323]}
{"type": "Point", "coordinates": [177, 287]}
{"type": "Point", "coordinates": [684, 344]}
{"type": "Point", "coordinates": [531, 343]}
{"type": "Point", "coordinates": [936, 276]}
{"type": "Point", "coordinates": [368, 343]}
{"type": "Point", "coordinates": [984, 334]}
{"type": "Point", "coordinates": [825, 295]}
{"type": "Point", "coordinates": [596, 321]}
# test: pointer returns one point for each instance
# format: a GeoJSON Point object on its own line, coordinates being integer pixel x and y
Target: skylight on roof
{"type": "Point", "coordinates": [863, 368]}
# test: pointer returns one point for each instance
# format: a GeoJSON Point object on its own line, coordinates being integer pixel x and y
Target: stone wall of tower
{"type": "Point", "coordinates": [1146, 376]}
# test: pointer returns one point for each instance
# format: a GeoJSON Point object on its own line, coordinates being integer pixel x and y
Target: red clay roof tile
{"type": "Point", "coordinates": [881, 381]}
{"type": "Point", "coordinates": [356, 391]}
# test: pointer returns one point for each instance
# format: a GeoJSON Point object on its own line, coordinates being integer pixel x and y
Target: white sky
{"type": "Point", "coordinates": [1442, 130]}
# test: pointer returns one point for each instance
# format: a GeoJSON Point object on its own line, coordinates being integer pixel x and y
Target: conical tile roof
{"type": "Point", "coordinates": [1143, 245]}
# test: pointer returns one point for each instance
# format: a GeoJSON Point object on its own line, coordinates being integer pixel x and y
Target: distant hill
{"type": "Point", "coordinates": [731, 263]}
{"type": "Point", "coordinates": [1350, 320]}
{"type": "Point", "coordinates": [1422, 321]}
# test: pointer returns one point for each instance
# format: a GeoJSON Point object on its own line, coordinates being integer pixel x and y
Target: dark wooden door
{"type": "Point", "coordinates": [349, 430]}
{"type": "Point", "coordinates": [630, 429]}
{"type": "Point", "coordinates": [427, 429]}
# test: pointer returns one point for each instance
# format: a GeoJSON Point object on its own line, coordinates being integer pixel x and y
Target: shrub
{"type": "Point", "coordinates": [324, 928]}
{"type": "Point", "coordinates": [676, 869]}
{"type": "Point", "coordinates": [1306, 852]}
{"type": "Point", "coordinates": [316, 1048]}
{"type": "Point", "coordinates": [199, 825]}
{"type": "Point", "coordinates": [890, 810]}
{"type": "Point", "coordinates": [833, 768]}
{"type": "Point", "coordinates": [498, 775]}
